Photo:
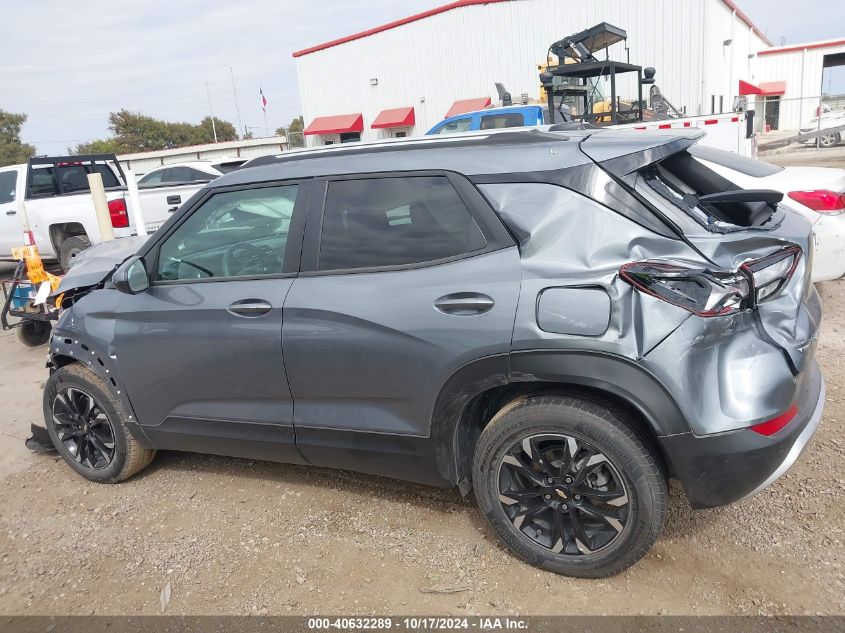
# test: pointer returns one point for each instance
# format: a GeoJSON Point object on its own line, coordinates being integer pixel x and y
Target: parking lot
{"type": "Point", "coordinates": [236, 537]}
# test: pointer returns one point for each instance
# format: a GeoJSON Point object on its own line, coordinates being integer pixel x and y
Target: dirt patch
{"type": "Point", "coordinates": [236, 536]}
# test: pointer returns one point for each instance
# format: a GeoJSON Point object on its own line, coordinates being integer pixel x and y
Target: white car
{"type": "Point", "coordinates": [165, 188]}
{"type": "Point", "coordinates": [189, 171]}
{"type": "Point", "coordinates": [830, 119]}
{"type": "Point", "coordinates": [817, 193]}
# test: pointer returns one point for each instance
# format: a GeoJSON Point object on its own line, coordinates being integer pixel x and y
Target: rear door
{"type": "Point", "coordinates": [405, 279]}
{"type": "Point", "coordinates": [200, 351]}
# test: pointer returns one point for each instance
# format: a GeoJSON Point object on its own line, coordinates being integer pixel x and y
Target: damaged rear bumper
{"type": "Point", "coordinates": [719, 469]}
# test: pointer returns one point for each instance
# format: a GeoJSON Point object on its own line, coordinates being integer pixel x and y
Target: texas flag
{"type": "Point", "coordinates": [263, 100]}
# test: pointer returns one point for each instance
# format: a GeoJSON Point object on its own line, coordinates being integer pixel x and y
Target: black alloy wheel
{"type": "Point", "coordinates": [83, 428]}
{"type": "Point", "coordinates": [563, 494]}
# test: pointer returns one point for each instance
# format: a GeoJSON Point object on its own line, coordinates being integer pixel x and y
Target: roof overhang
{"type": "Point", "coordinates": [337, 124]}
{"type": "Point", "coordinates": [771, 88]}
{"type": "Point", "coordinates": [468, 105]}
{"type": "Point", "coordinates": [395, 117]}
{"type": "Point", "coordinates": [746, 88]}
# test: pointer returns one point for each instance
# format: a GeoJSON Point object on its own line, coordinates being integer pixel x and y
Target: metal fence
{"type": "Point", "coordinates": [780, 121]}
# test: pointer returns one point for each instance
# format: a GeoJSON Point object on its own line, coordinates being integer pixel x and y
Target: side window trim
{"type": "Point", "coordinates": [491, 227]}
{"type": "Point", "coordinates": [293, 248]}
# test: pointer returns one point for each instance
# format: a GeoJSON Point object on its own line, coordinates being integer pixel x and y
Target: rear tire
{"type": "Point", "coordinates": [34, 333]}
{"type": "Point", "coordinates": [98, 445]}
{"type": "Point", "coordinates": [829, 140]}
{"type": "Point", "coordinates": [589, 514]}
{"type": "Point", "coordinates": [70, 248]}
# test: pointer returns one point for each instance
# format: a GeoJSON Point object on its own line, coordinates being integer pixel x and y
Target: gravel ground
{"type": "Point", "coordinates": [232, 536]}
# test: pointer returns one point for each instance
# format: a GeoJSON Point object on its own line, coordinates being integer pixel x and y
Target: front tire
{"type": "Point", "coordinates": [87, 425]}
{"type": "Point", "coordinates": [569, 486]}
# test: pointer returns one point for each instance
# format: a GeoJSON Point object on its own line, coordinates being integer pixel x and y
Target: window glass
{"type": "Point", "coordinates": [8, 183]}
{"type": "Point", "coordinates": [43, 181]}
{"type": "Point", "coordinates": [499, 121]}
{"type": "Point", "coordinates": [152, 178]}
{"type": "Point", "coordinates": [74, 178]}
{"type": "Point", "coordinates": [109, 177]}
{"type": "Point", "coordinates": [394, 221]}
{"type": "Point", "coordinates": [453, 127]}
{"type": "Point", "coordinates": [234, 234]}
{"type": "Point", "coordinates": [185, 174]}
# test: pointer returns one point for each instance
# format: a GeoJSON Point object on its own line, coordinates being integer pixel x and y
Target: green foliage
{"type": "Point", "coordinates": [102, 146]}
{"type": "Point", "coordinates": [136, 132]}
{"type": "Point", "coordinates": [12, 150]}
{"type": "Point", "coordinates": [293, 132]}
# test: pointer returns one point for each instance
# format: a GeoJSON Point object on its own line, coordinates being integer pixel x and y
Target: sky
{"type": "Point", "coordinates": [67, 65]}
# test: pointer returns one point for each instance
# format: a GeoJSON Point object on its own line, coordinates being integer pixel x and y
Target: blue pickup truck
{"type": "Point", "coordinates": [491, 119]}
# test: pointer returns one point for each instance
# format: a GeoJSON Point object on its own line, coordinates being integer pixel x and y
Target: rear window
{"type": "Point", "coordinates": [743, 164]}
{"type": "Point", "coordinates": [73, 178]}
{"type": "Point", "coordinates": [685, 182]}
{"type": "Point", "coordinates": [499, 121]}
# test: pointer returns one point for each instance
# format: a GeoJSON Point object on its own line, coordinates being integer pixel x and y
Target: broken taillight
{"type": "Point", "coordinates": [708, 293]}
{"type": "Point", "coordinates": [698, 290]}
{"type": "Point", "coordinates": [771, 273]}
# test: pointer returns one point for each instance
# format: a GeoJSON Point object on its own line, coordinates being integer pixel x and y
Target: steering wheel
{"type": "Point", "coordinates": [243, 259]}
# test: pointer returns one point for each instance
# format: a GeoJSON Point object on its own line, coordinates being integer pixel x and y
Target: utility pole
{"type": "Point", "coordinates": [235, 92]}
{"type": "Point", "coordinates": [210, 109]}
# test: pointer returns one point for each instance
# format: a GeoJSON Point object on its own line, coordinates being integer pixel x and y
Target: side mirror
{"type": "Point", "coordinates": [131, 277]}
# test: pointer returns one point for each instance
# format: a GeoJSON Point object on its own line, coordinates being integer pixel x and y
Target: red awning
{"type": "Point", "coordinates": [746, 88]}
{"type": "Point", "coordinates": [397, 117]}
{"type": "Point", "coordinates": [773, 88]}
{"type": "Point", "coordinates": [468, 105]}
{"type": "Point", "coordinates": [336, 124]}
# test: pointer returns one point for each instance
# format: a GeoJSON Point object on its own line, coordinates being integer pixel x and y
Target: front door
{"type": "Point", "coordinates": [409, 281]}
{"type": "Point", "coordinates": [11, 233]}
{"type": "Point", "coordinates": [200, 351]}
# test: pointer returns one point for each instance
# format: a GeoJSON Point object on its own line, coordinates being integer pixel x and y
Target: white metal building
{"type": "Point", "coordinates": [401, 78]}
{"type": "Point", "coordinates": [790, 80]}
{"type": "Point", "coordinates": [143, 162]}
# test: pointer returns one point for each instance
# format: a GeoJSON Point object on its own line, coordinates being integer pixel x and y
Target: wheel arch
{"type": "Point", "coordinates": [66, 351]}
{"type": "Point", "coordinates": [61, 231]}
{"type": "Point", "coordinates": [475, 392]}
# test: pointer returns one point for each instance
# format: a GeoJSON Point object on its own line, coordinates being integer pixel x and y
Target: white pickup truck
{"type": "Point", "coordinates": [53, 194]}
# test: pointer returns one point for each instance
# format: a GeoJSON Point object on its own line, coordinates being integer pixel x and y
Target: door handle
{"type": "Point", "coordinates": [12, 212]}
{"type": "Point", "coordinates": [172, 209]}
{"type": "Point", "coordinates": [177, 199]}
{"type": "Point", "coordinates": [464, 303]}
{"type": "Point", "coordinates": [249, 308]}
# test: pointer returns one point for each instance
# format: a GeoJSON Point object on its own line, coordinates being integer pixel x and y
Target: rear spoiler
{"type": "Point", "coordinates": [619, 152]}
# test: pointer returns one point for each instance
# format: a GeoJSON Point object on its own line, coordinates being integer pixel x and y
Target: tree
{"type": "Point", "coordinates": [293, 132]}
{"type": "Point", "coordinates": [136, 132]}
{"type": "Point", "coordinates": [12, 150]}
{"type": "Point", "coordinates": [101, 146]}
{"type": "Point", "coordinates": [225, 130]}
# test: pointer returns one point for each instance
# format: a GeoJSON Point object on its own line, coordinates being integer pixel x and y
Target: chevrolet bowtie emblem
{"type": "Point", "coordinates": [561, 494]}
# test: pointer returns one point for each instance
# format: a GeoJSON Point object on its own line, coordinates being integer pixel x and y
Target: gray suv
{"type": "Point", "coordinates": [561, 321]}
